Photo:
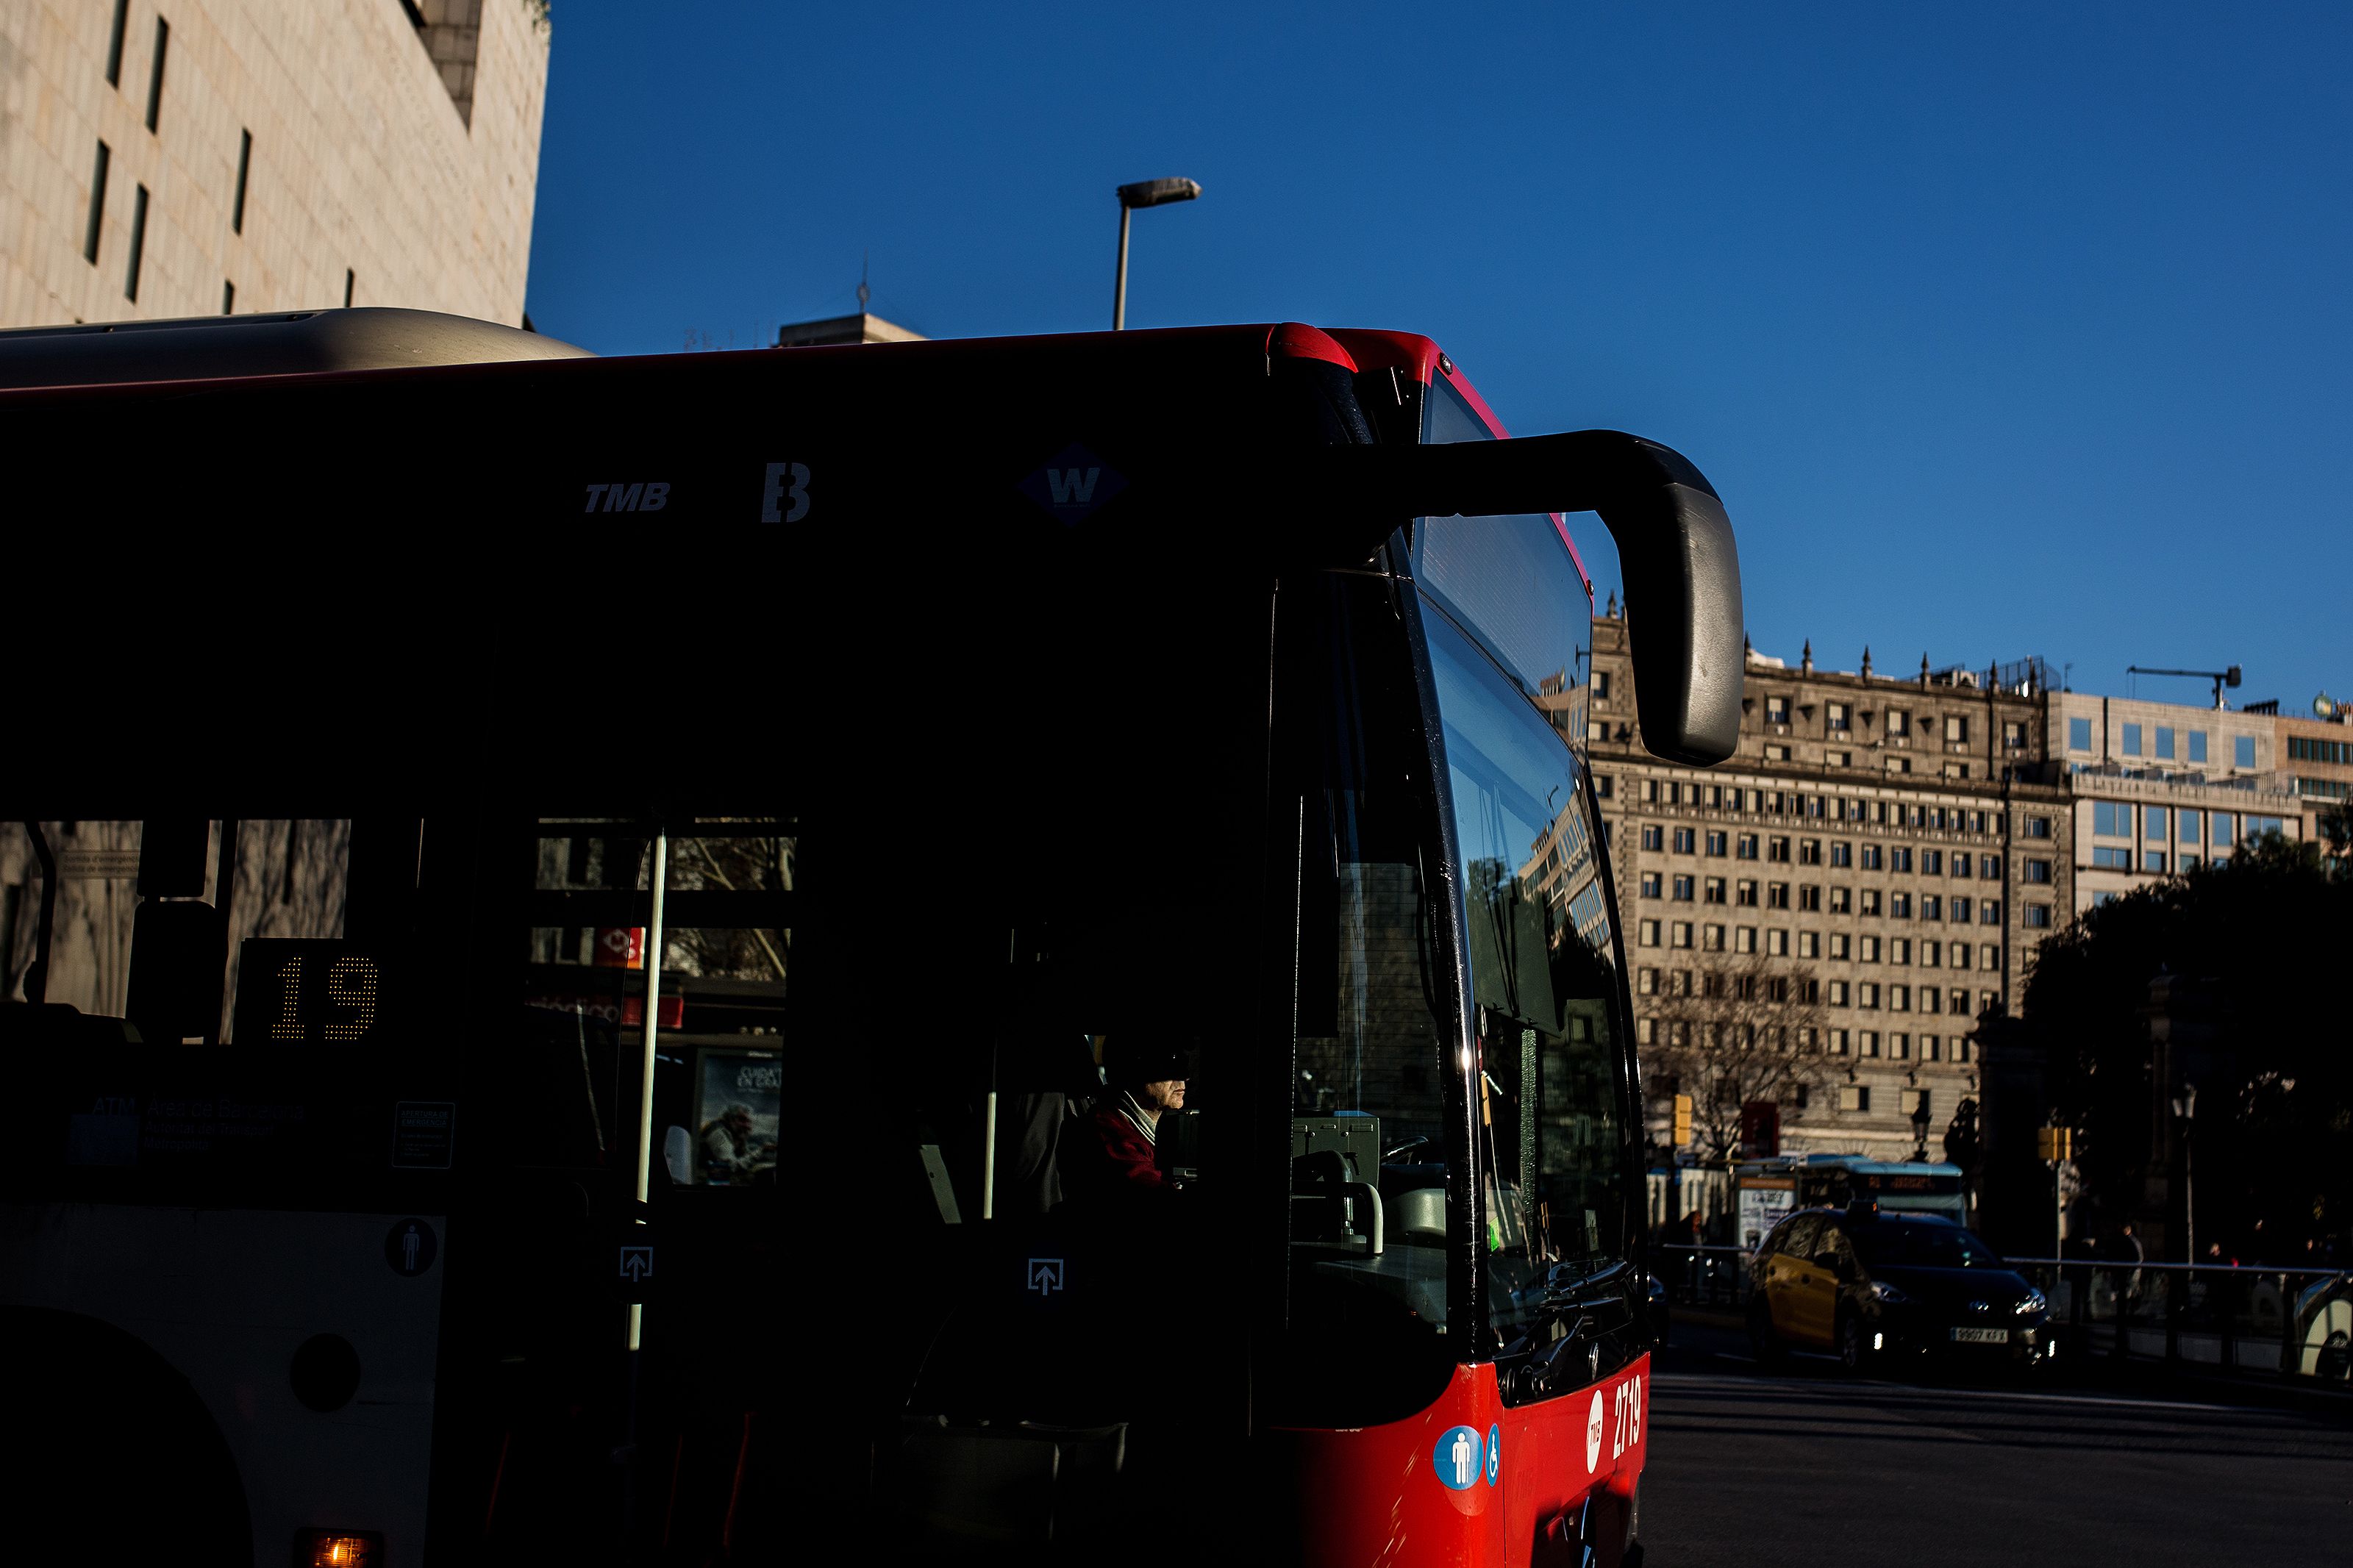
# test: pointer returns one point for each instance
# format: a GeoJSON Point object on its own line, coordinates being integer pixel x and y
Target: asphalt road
{"type": "Point", "coordinates": [1808, 1467]}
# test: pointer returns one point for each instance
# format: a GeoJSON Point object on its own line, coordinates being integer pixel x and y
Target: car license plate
{"type": "Point", "coordinates": [1981, 1336]}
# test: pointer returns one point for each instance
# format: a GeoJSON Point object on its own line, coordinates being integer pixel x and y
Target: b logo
{"type": "Point", "coordinates": [786, 482]}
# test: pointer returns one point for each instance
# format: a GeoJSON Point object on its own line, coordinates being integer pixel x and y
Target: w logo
{"type": "Point", "coordinates": [1074, 483]}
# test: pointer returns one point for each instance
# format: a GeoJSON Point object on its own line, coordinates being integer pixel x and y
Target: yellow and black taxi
{"type": "Point", "coordinates": [1871, 1285]}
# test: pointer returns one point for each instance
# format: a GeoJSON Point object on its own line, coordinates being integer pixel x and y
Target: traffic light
{"type": "Point", "coordinates": [1683, 1120]}
{"type": "Point", "coordinates": [2054, 1144]}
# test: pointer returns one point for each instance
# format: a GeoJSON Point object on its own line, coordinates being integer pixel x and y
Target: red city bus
{"type": "Point", "coordinates": [600, 952]}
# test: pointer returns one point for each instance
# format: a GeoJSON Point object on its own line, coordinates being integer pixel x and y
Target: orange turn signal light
{"type": "Point", "coordinates": [338, 1549]}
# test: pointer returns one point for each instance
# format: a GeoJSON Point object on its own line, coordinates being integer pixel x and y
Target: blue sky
{"type": "Point", "coordinates": [2003, 330]}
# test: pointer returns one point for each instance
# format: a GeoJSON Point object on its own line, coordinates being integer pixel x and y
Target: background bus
{"type": "Point", "coordinates": [630, 920]}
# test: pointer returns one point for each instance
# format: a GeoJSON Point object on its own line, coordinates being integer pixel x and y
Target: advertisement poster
{"type": "Point", "coordinates": [738, 1106]}
{"type": "Point", "coordinates": [1763, 1201]}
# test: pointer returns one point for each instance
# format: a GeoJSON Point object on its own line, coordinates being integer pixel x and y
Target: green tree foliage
{"type": "Point", "coordinates": [2267, 929]}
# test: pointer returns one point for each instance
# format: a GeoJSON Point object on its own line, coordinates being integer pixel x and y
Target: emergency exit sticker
{"type": "Point", "coordinates": [1461, 1458]}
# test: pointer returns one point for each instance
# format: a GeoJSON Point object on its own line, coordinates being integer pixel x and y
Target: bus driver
{"type": "Point", "coordinates": [1146, 1077]}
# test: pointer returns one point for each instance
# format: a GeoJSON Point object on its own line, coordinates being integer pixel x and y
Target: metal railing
{"type": "Point", "coordinates": [2245, 1321]}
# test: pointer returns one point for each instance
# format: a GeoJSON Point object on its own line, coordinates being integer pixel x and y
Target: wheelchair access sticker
{"type": "Point", "coordinates": [1461, 1458]}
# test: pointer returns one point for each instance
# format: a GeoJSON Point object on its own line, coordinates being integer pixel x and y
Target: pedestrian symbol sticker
{"type": "Point", "coordinates": [1459, 1456]}
{"type": "Point", "coordinates": [409, 1248]}
{"type": "Point", "coordinates": [1494, 1453]}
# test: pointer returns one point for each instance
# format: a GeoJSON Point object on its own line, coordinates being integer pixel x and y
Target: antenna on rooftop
{"type": "Point", "coordinates": [864, 293]}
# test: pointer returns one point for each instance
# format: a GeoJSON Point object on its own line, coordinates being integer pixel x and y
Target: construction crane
{"type": "Point", "coordinates": [2220, 678]}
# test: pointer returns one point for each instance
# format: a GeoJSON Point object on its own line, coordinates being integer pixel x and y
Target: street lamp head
{"type": "Point", "coordinates": [1158, 192]}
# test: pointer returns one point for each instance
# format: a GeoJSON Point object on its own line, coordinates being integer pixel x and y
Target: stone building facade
{"type": "Point", "coordinates": [163, 158]}
{"type": "Point", "coordinates": [2316, 764]}
{"type": "Point", "coordinates": [1901, 844]}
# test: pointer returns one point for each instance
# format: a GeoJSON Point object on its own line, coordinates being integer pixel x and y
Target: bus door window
{"type": "Point", "coordinates": [1368, 1310]}
{"type": "Point", "coordinates": [721, 988]}
{"type": "Point", "coordinates": [1551, 1124]}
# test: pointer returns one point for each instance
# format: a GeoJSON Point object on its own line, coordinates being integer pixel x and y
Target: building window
{"type": "Point", "coordinates": [1649, 931]}
{"type": "Point", "coordinates": [1809, 852]}
{"type": "Point", "coordinates": [1899, 764]}
{"type": "Point", "coordinates": [97, 204]}
{"type": "Point", "coordinates": [1873, 857]}
{"type": "Point", "coordinates": [1854, 1096]}
{"type": "Point", "coordinates": [1777, 896]}
{"type": "Point", "coordinates": [1870, 946]}
{"type": "Point", "coordinates": [2153, 860]}
{"type": "Point", "coordinates": [1960, 1006]}
{"type": "Point", "coordinates": [1810, 944]}
{"type": "Point", "coordinates": [1900, 859]}
{"type": "Point", "coordinates": [1650, 888]}
{"type": "Point", "coordinates": [2165, 742]}
{"type": "Point", "coordinates": [1899, 906]}
{"type": "Point", "coordinates": [1716, 846]}
{"type": "Point", "coordinates": [2197, 746]}
{"type": "Point", "coordinates": [2079, 734]}
{"type": "Point", "coordinates": [2038, 827]}
{"type": "Point", "coordinates": [1601, 684]}
{"type": "Point", "coordinates": [1686, 841]}
{"type": "Point", "coordinates": [1931, 999]}
{"type": "Point", "coordinates": [1777, 753]}
{"type": "Point", "coordinates": [2153, 824]}
{"type": "Point", "coordinates": [2243, 751]}
{"type": "Point", "coordinates": [2223, 824]}
{"type": "Point", "coordinates": [1680, 936]}
{"type": "Point", "coordinates": [1682, 890]}
{"type": "Point", "coordinates": [138, 245]}
{"type": "Point", "coordinates": [2038, 916]}
{"type": "Point", "coordinates": [1841, 853]}
{"type": "Point", "coordinates": [2013, 734]}
{"type": "Point", "coordinates": [1932, 862]}
{"type": "Point", "coordinates": [1776, 710]}
{"type": "Point", "coordinates": [1989, 867]}
{"type": "Point", "coordinates": [2132, 741]}
{"type": "Point", "coordinates": [1778, 851]}
{"type": "Point", "coordinates": [155, 71]}
{"type": "Point", "coordinates": [1834, 995]}
{"type": "Point", "coordinates": [1837, 714]}
{"type": "Point", "coordinates": [1645, 1031]}
{"type": "Point", "coordinates": [1747, 894]}
{"type": "Point", "coordinates": [1869, 1040]}
{"type": "Point", "coordinates": [2111, 819]}
{"type": "Point", "coordinates": [2191, 862]}
{"type": "Point", "coordinates": [1838, 1042]}
{"type": "Point", "coordinates": [2185, 826]}
{"type": "Point", "coordinates": [1960, 910]}
{"type": "Point", "coordinates": [1866, 996]}
{"type": "Point", "coordinates": [1899, 949]}
{"type": "Point", "coordinates": [1898, 723]}
{"type": "Point", "coordinates": [1653, 837]}
{"type": "Point", "coordinates": [1746, 846]}
{"type": "Point", "coordinates": [1870, 901]}
{"type": "Point", "coordinates": [1899, 1048]}
{"type": "Point", "coordinates": [244, 163]}
{"type": "Point", "coordinates": [1989, 912]}
{"type": "Point", "coordinates": [1986, 1001]}
{"type": "Point", "coordinates": [114, 44]}
{"type": "Point", "coordinates": [1841, 944]}
{"type": "Point", "coordinates": [1956, 729]}
{"type": "Point", "coordinates": [1744, 939]}
{"type": "Point", "coordinates": [1777, 943]}
{"type": "Point", "coordinates": [1932, 907]}
{"type": "Point", "coordinates": [1841, 900]}
{"type": "Point", "coordinates": [1713, 892]}
{"type": "Point", "coordinates": [1929, 953]}
{"type": "Point", "coordinates": [2038, 871]}
{"type": "Point", "coordinates": [2110, 858]}
{"type": "Point", "coordinates": [1712, 939]}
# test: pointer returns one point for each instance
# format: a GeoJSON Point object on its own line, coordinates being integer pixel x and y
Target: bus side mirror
{"type": "Point", "coordinates": [1682, 566]}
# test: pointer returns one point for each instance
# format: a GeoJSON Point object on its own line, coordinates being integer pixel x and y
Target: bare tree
{"type": "Point", "coordinates": [1734, 1030]}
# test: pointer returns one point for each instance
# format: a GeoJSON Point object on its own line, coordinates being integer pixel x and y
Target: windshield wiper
{"type": "Point", "coordinates": [1582, 1308]}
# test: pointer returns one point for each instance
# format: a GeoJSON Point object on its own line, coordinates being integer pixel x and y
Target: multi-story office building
{"type": "Point", "coordinates": [167, 158]}
{"type": "Point", "coordinates": [2316, 762]}
{"type": "Point", "coordinates": [2164, 787]}
{"type": "Point", "coordinates": [1890, 848]}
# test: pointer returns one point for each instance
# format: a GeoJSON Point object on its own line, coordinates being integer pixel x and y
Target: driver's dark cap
{"type": "Point", "coordinates": [1132, 1059]}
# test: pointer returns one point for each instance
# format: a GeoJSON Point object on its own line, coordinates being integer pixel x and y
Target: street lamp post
{"type": "Point", "coordinates": [1143, 194]}
{"type": "Point", "coordinates": [2185, 1106]}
